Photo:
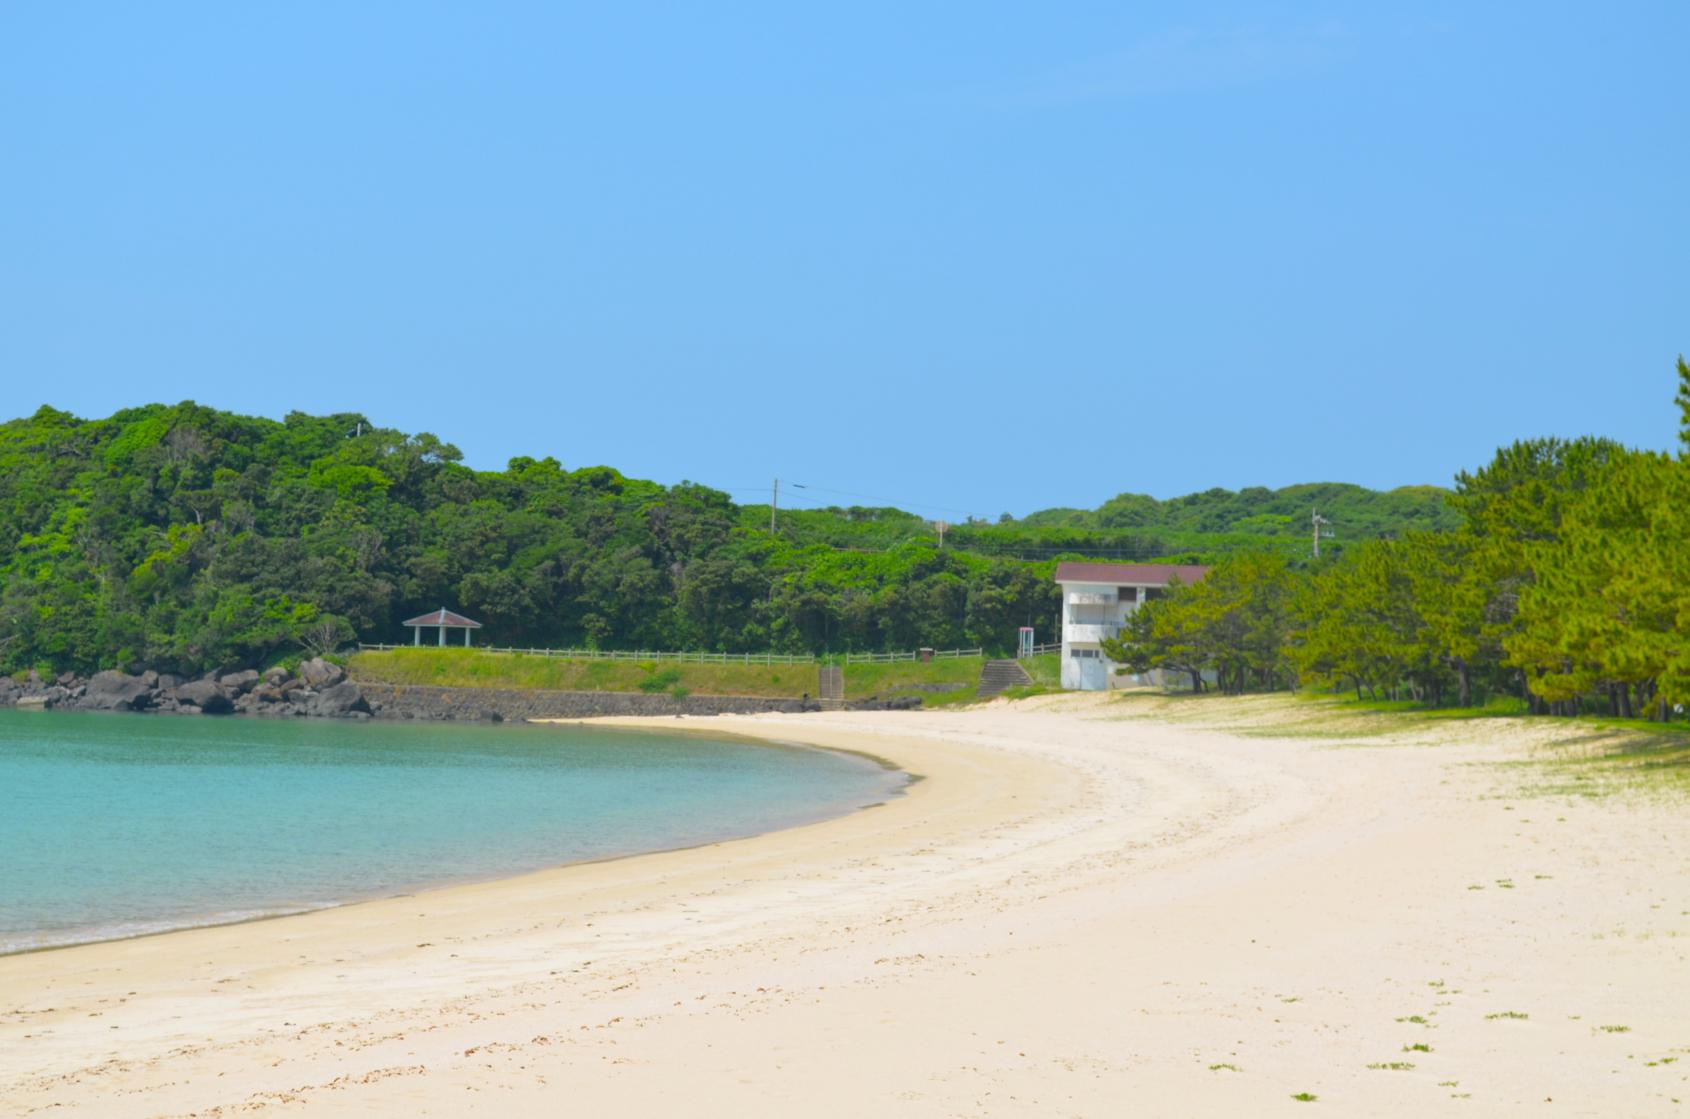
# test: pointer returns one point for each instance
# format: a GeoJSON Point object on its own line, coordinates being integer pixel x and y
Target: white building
{"type": "Point", "coordinates": [1096, 599]}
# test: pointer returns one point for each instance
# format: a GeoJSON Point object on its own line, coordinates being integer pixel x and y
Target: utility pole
{"type": "Point", "coordinates": [941, 526]}
{"type": "Point", "coordinates": [774, 503]}
{"type": "Point", "coordinates": [1322, 527]}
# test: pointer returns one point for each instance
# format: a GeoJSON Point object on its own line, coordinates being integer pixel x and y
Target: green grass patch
{"type": "Point", "coordinates": [900, 677]}
{"type": "Point", "coordinates": [1305, 1097]}
{"type": "Point", "coordinates": [1046, 671]}
{"type": "Point", "coordinates": [479, 668]}
{"type": "Point", "coordinates": [1513, 1014]}
{"type": "Point", "coordinates": [1394, 1066]}
{"type": "Point", "coordinates": [1604, 757]}
{"type": "Point", "coordinates": [472, 668]}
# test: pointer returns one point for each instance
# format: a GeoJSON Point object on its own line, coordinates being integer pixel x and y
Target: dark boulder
{"type": "Point", "coordinates": [117, 691]}
{"type": "Point", "coordinates": [339, 701]}
{"type": "Point", "coordinates": [205, 695]}
{"type": "Point", "coordinates": [319, 673]}
{"type": "Point", "coordinates": [276, 676]}
{"type": "Point", "coordinates": [238, 683]}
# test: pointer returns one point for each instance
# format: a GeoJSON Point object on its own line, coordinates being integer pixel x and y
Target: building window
{"type": "Point", "coordinates": [1127, 594]}
{"type": "Point", "coordinates": [1083, 654]}
{"type": "Point", "coordinates": [1154, 592]}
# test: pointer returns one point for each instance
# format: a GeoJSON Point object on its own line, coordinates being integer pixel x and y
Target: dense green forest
{"type": "Point", "coordinates": [182, 538]}
{"type": "Point", "coordinates": [1199, 526]}
{"type": "Point", "coordinates": [1566, 583]}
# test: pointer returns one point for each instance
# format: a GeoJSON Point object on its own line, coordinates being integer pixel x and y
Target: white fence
{"type": "Point", "coordinates": [624, 654]}
{"type": "Point", "coordinates": [1053, 647]}
{"type": "Point", "coordinates": [887, 658]}
{"type": "Point", "coordinates": [702, 658]}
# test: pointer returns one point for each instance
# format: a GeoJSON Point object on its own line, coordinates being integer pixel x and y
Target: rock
{"type": "Point", "coordinates": [340, 700]}
{"type": "Point", "coordinates": [166, 681]}
{"type": "Point", "coordinates": [65, 679]}
{"type": "Point", "coordinates": [238, 683]}
{"type": "Point", "coordinates": [319, 673]}
{"type": "Point", "coordinates": [10, 689]}
{"type": "Point", "coordinates": [117, 691]}
{"type": "Point", "coordinates": [33, 699]}
{"type": "Point", "coordinates": [149, 678]}
{"type": "Point", "coordinates": [276, 676]}
{"type": "Point", "coordinates": [205, 695]}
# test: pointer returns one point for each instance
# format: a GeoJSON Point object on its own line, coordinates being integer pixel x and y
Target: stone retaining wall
{"type": "Point", "coordinates": [408, 701]}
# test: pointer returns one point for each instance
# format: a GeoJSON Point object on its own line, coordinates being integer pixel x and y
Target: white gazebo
{"type": "Point", "coordinates": [443, 620]}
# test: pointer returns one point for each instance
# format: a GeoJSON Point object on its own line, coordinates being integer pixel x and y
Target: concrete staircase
{"type": "Point", "coordinates": [998, 675]}
{"type": "Point", "coordinates": [830, 687]}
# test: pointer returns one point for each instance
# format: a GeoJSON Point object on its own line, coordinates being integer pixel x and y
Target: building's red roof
{"type": "Point", "coordinates": [1129, 574]}
{"type": "Point", "coordinates": [443, 617]}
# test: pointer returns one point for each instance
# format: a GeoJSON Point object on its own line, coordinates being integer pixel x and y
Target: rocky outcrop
{"type": "Point", "coordinates": [322, 689]}
{"type": "Point", "coordinates": [277, 692]}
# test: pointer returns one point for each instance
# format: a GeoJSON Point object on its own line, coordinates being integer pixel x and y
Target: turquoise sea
{"type": "Point", "coordinates": [116, 825]}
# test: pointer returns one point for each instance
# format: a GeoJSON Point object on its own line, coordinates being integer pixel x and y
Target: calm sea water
{"type": "Point", "coordinates": [113, 825]}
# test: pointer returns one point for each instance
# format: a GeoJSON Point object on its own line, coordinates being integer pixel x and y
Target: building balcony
{"type": "Point", "coordinates": [1090, 598]}
{"type": "Point", "coordinates": [1089, 632]}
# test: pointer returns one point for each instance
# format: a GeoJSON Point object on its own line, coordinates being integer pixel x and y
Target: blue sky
{"type": "Point", "coordinates": [971, 258]}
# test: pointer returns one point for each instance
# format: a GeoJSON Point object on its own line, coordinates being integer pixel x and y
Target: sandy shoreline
{"type": "Point", "coordinates": [1075, 914]}
{"type": "Point", "coordinates": [698, 727]}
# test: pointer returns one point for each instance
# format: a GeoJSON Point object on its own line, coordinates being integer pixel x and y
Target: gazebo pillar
{"type": "Point", "coordinates": [442, 632]}
{"type": "Point", "coordinates": [466, 637]}
{"type": "Point", "coordinates": [416, 635]}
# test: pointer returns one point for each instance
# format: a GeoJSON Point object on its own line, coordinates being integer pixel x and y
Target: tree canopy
{"type": "Point", "coordinates": [1566, 582]}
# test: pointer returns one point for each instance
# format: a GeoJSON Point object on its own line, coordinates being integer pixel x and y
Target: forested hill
{"type": "Point", "coordinates": [182, 538]}
{"type": "Point", "coordinates": [1257, 510]}
{"type": "Point", "coordinates": [1205, 525]}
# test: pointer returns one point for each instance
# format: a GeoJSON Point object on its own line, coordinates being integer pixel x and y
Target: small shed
{"type": "Point", "coordinates": [442, 620]}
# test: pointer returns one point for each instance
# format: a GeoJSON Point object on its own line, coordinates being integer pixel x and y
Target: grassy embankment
{"type": "Point", "coordinates": [461, 668]}
{"type": "Point", "coordinates": [1585, 756]}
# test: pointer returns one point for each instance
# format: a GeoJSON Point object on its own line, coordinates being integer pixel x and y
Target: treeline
{"type": "Point", "coordinates": [1566, 583]}
{"type": "Point", "coordinates": [1258, 510]}
{"type": "Point", "coordinates": [1188, 529]}
{"type": "Point", "coordinates": [182, 538]}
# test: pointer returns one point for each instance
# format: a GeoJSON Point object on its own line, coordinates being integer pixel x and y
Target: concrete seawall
{"type": "Point", "coordinates": [407, 701]}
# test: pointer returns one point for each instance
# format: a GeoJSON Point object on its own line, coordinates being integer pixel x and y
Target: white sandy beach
{"type": "Point", "coordinates": [1076, 913]}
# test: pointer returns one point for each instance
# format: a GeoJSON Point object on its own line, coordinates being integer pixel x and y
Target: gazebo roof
{"type": "Point", "coordinates": [442, 617]}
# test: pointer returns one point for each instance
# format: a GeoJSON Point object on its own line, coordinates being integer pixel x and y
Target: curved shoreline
{"type": "Point", "coordinates": [653, 724]}
{"type": "Point", "coordinates": [1083, 905]}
